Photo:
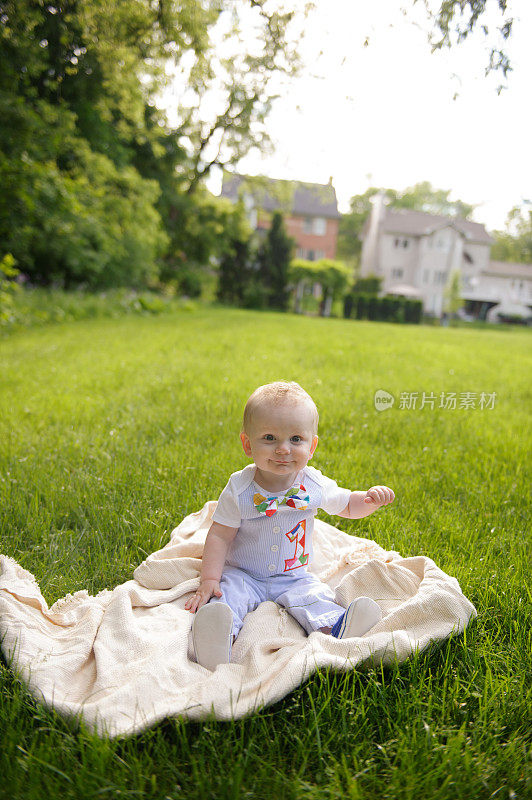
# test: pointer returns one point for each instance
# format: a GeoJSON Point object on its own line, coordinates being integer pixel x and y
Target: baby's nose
{"type": "Point", "coordinates": [283, 447]}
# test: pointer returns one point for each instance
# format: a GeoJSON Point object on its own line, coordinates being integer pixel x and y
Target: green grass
{"type": "Point", "coordinates": [114, 429]}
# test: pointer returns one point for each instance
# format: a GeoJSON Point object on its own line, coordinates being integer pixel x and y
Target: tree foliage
{"type": "Point", "coordinates": [273, 259]}
{"type": "Point", "coordinates": [453, 21]}
{"type": "Point", "coordinates": [96, 187]}
{"type": "Point", "coordinates": [230, 90]}
{"type": "Point", "coordinates": [332, 276]}
{"type": "Point", "coordinates": [515, 242]}
{"type": "Point", "coordinates": [453, 293]}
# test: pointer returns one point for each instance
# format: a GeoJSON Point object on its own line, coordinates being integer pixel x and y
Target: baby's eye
{"type": "Point", "coordinates": [296, 439]}
{"type": "Point", "coordinates": [269, 437]}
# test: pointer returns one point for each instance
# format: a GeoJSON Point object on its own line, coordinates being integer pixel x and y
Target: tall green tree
{"type": "Point", "coordinates": [274, 256]}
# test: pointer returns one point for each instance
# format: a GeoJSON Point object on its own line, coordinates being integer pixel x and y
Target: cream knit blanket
{"type": "Point", "coordinates": [123, 659]}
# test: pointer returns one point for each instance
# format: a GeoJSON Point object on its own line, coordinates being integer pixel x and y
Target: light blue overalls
{"type": "Point", "coordinates": [269, 556]}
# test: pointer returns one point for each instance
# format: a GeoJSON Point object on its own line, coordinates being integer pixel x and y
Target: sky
{"type": "Point", "coordinates": [391, 114]}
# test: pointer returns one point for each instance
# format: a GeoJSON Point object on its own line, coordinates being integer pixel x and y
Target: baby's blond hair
{"type": "Point", "coordinates": [277, 393]}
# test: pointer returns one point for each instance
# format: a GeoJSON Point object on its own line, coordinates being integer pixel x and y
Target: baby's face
{"type": "Point", "coordinates": [280, 439]}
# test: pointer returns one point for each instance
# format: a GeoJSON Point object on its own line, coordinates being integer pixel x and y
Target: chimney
{"type": "Point", "coordinates": [378, 202]}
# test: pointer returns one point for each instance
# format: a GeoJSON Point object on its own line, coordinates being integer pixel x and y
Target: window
{"type": "Point", "coordinates": [320, 226]}
{"type": "Point", "coordinates": [401, 242]}
{"type": "Point", "coordinates": [315, 225]}
{"type": "Point", "coordinates": [397, 273]}
{"type": "Point", "coordinates": [443, 242]}
{"type": "Point", "coordinates": [467, 257]}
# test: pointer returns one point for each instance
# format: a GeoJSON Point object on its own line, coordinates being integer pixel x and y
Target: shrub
{"type": "Point", "coordinates": [189, 283]}
{"type": "Point", "coordinates": [8, 287]}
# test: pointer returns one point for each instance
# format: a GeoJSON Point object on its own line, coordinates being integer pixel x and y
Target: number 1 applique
{"type": "Point", "coordinates": [300, 558]}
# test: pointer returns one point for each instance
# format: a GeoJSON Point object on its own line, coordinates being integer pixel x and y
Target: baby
{"type": "Point", "coordinates": [259, 545]}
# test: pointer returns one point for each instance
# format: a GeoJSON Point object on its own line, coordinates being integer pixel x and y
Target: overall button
{"type": "Point", "coordinates": [277, 529]}
{"type": "Point", "coordinates": [274, 547]}
{"type": "Point", "coordinates": [271, 567]}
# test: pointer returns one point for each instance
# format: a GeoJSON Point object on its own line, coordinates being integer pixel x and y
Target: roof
{"type": "Point", "coordinates": [419, 223]}
{"type": "Point", "coordinates": [506, 269]}
{"type": "Point", "coordinates": [295, 197]}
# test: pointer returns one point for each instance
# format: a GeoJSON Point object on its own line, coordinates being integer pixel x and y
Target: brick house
{"type": "Point", "coordinates": [310, 210]}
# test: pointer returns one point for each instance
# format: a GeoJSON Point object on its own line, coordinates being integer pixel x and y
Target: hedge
{"type": "Point", "coordinates": [361, 305]}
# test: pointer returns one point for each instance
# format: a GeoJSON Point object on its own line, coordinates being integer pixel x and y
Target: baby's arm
{"type": "Point", "coordinates": [362, 504]}
{"type": "Point", "coordinates": [217, 544]}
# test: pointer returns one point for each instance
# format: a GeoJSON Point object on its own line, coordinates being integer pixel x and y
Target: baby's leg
{"type": "Point", "coordinates": [312, 603]}
{"type": "Point", "coordinates": [216, 624]}
{"type": "Point", "coordinates": [239, 592]}
{"type": "Point", "coordinates": [309, 600]}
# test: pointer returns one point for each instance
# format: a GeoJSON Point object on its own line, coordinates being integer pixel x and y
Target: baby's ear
{"type": "Point", "coordinates": [246, 443]}
{"type": "Point", "coordinates": [313, 445]}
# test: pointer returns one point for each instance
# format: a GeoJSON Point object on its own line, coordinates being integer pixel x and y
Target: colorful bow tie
{"type": "Point", "coordinates": [296, 497]}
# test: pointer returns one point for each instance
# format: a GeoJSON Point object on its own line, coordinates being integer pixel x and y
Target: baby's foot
{"type": "Point", "coordinates": [211, 635]}
{"type": "Point", "coordinates": [361, 615]}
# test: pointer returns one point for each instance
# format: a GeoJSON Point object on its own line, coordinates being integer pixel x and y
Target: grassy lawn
{"type": "Point", "coordinates": [113, 429]}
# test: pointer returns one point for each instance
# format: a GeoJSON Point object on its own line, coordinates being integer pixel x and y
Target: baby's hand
{"type": "Point", "coordinates": [204, 593]}
{"type": "Point", "coordinates": [379, 496]}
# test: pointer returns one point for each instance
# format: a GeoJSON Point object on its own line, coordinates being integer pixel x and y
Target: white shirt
{"type": "Point", "coordinates": [280, 544]}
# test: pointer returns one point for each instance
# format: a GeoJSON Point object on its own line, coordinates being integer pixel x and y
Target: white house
{"type": "Point", "coordinates": [415, 253]}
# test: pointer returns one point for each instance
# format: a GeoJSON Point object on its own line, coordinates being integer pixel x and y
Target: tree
{"type": "Point", "coordinates": [235, 271]}
{"type": "Point", "coordinates": [453, 293]}
{"type": "Point", "coordinates": [273, 257]}
{"type": "Point", "coordinates": [333, 277]}
{"type": "Point", "coordinates": [515, 242]}
{"type": "Point", "coordinates": [232, 87]}
{"type": "Point", "coordinates": [423, 197]}
{"type": "Point", "coordinates": [302, 274]}
{"type": "Point", "coordinates": [91, 223]}
{"type": "Point", "coordinates": [454, 21]}
{"type": "Point", "coordinates": [90, 170]}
